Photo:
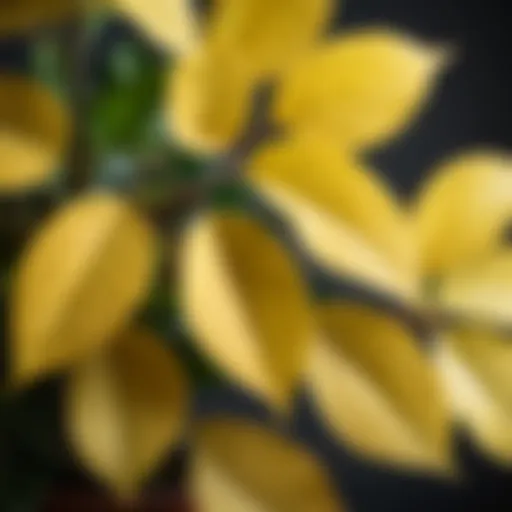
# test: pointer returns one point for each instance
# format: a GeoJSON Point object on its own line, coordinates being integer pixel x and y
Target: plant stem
{"type": "Point", "coordinates": [76, 55]}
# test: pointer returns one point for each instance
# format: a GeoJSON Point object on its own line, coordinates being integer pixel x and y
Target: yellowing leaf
{"type": "Point", "coordinates": [170, 23]}
{"type": "Point", "coordinates": [346, 217]}
{"type": "Point", "coordinates": [463, 210]}
{"type": "Point", "coordinates": [364, 86]}
{"type": "Point", "coordinates": [482, 292]}
{"type": "Point", "coordinates": [268, 35]}
{"type": "Point", "coordinates": [475, 366]}
{"type": "Point", "coordinates": [241, 466]}
{"type": "Point", "coordinates": [377, 391]}
{"type": "Point", "coordinates": [245, 303]}
{"type": "Point", "coordinates": [209, 99]}
{"type": "Point", "coordinates": [24, 15]}
{"type": "Point", "coordinates": [81, 278]}
{"type": "Point", "coordinates": [125, 409]}
{"type": "Point", "coordinates": [338, 247]}
{"type": "Point", "coordinates": [313, 166]}
{"type": "Point", "coordinates": [34, 132]}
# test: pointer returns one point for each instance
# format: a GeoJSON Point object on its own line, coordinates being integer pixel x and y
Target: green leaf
{"type": "Point", "coordinates": [125, 113]}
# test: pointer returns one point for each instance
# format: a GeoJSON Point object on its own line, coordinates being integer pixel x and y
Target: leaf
{"type": "Point", "coordinates": [481, 292]}
{"type": "Point", "coordinates": [376, 390]}
{"type": "Point", "coordinates": [124, 109]}
{"type": "Point", "coordinates": [346, 217]}
{"type": "Point", "coordinates": [364, 86]}
{"type": "Point", "coordinates": [27, 15]}
{"type": "Point", "coordinates": [245, 303]}
{"type": "Point", "coordinates": [463, 210]}
{"type": "Point", "coordinates": [475, 367]}
{"type": "Point", "coordinates": [125, 409]}
{"type": "Point", "coordinates": [79, 281]}
{"type": "Point", "coordinates": [34, 133]}
{"type": "Point", "coordinates": [208, 99]}
{"type": "Point", "coordinates": [169, 23]}
{"type": "Point", "coordinates": [240, 465]}
{"type": "Point", "coordinates": [268, 35]}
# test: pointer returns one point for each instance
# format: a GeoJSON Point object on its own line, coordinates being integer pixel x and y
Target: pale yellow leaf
{"type": "Point", "coordinates": [482, 292]}
{"type": "Point", "coordinates": [34, 132]}
{"type": "Point", "coordinates": [463, 210]}
{"type": "Point", "coordinates": [245, 303]}
{"type": "Point", "coordinates": [377, 391]}
{"type": "Point", "coordinates": [208, 99]}
{"type": "Point", "coordinates": [365, 86]}
{"type": "Point", "coordinates": [126, 408]}
{"type": "Point", "coordinates": [475, 367]}
{"type": "Point", "coordinates": [349, 219]}
{"type": "Point", "coordinates": [269, 35]}
{"type": "Point", "coordinates": [79, 280]}
{"type": "Point", "coordinates": [241, 466]}
{"type": "Point", "coordinates": [24, 15]}
{"type": "Point", "coordinates": [170, 23]}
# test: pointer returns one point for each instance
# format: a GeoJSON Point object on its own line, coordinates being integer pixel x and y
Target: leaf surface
{"type": "Point", "coordinates": [79, 281]}
{"type": "Point", "coordinates": [377, 391]}
{"type": "Point", "coordinates": [364, 87]}
{"type": "Point", "coordinates": [244, 301]}
{"type": "Point", "coordinates": [238, 465]}
{"type": "Point", "coordinates": [126, 408]}
{"type": "Point", "coordinates": [35, 129]}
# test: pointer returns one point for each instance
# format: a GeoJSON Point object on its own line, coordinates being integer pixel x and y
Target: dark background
{"type": "Point", "coordinates": [474, 104]}
{"type": "Point", "coordinates": [472, 108]}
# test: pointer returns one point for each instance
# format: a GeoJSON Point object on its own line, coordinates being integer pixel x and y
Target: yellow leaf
{"type": "Point", "coordinates": [349, 220]}
{"type": "Point", "coordinates": [80, 279]}
{"type": "Point", "coordinates": [464, 209]}
{"type": "Point", "coordinates": [125, 409]}
{"type": "Point", "coordinates": [245, 303]}
{"type": "Point", "coordinates": [475, 366]}
{"type": "Point", "coordinates": [170, 23]}
{"type": "Point", "coordinates": [482, 292]}
{"type": "Point", "coordinates": [24, 15]}
{"type": "Point", "coordinates": [238, 465]}
{"type": "Point", "coordinates": [208, 100]}
{"type": "Point", "coordinates": [377, 391]}
{"type": "Point", "coordinates": [268, 35]}
{"type": "Point", "coordinates": [34, 133]}
{"type": "Point", "coordinates": [364, 86]}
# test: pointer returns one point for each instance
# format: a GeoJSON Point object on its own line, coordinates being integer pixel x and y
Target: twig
{"type": "Point", "coordinates": [259, 129]}
{"type": "Point", "coordinates": [223, 169]}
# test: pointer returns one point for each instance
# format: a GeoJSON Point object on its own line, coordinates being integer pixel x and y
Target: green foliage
{"type": "Point", "coordinates": [125, 114]}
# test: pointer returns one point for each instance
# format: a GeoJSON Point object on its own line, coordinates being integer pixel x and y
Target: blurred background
{"type": "Point", "coordinates": [473, 108]}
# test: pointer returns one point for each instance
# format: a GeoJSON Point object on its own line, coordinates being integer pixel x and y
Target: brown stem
{"type": "Point", "coordinates": [225, 168]}
{"type": "Point", "coordinates": [260, 128]}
